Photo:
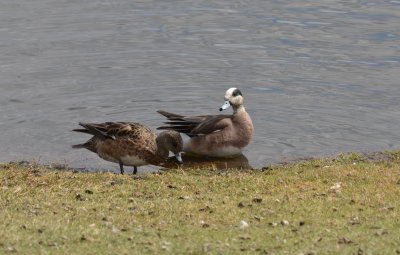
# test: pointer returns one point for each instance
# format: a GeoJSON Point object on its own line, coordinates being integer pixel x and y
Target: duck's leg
{"type": "Point", "coordinates": [134, 169]}
{"type": "Point", "coordinates": [121, 167]}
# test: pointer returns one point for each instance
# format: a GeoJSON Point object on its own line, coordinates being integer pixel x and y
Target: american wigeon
{"type": "Point", "coordinates": [215, 135]}
{"type": "Point", "coordinates": [130, 144]}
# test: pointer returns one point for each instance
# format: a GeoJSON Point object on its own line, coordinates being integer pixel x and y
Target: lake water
{"type": "Point", "coordinates": [318, 78]}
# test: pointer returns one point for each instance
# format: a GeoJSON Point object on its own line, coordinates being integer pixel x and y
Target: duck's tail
{"type": "Point", "coordinates": [92, 130]}
{"type": "Point", "coordinates": [89, 145]}
{"type": "Point", "coordinates": [80, 146]}
{"type": "Point", "coordinates": [81, 130]}
{"type": "Point", "coordinates": [179, 123]}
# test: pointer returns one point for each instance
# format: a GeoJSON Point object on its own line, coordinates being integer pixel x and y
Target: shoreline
{"type": "Point", "coordinates": [240, 163]}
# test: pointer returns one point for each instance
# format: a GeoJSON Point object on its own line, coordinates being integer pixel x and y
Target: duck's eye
{"type": "Point", "coordinates": [236, 92]}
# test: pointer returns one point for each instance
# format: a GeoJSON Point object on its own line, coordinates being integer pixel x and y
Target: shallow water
{"type": "Point", "coordinates": [318, 78]}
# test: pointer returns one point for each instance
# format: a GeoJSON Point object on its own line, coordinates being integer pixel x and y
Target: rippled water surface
{"type": "Point", "coordinates": [318, 78]}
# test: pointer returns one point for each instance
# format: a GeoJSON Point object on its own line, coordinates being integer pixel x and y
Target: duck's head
{"type": "Point", "coordinates": [171, 141]}
{"type": "Point", "coordinates": [234, 97]}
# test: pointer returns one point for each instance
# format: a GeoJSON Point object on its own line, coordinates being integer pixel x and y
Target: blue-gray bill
{"type": "Point", "coordinates": [178, 157]}
{"type": "Point", "coordinates": [225, 106]}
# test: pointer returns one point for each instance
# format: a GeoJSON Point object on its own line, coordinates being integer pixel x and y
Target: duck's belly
{"type": "Point", "coordinates": [126, 160]}
{"type": "Point", "coordinates": [117, 153]}
{"type": "Point", "coordinates": [227, 151]}
{"type": "Point", "coordinates": [133, 161]}
{"type": "Point", "coordinates": [220, 152]}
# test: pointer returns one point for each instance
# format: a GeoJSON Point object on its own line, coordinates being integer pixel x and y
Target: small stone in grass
{"type": "Point", "coordinates": [204, 224]}
{"type": "Point", "coordinates": [243, 224]}
{"type": "Point", "coordinates": [354, 221]}
{"type": "Point", "coordinates": [284, 222]}
{"type": "Point", "coordinates": [336, 187]}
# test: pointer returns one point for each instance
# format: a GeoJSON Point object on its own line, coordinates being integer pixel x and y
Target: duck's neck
{"type": "Point", "coordinates": [161, 152]}
{"type": "Point", "coordinates": [238, 109]}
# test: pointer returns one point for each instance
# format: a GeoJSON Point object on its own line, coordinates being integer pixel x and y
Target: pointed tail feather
{"type": "Point", "coordinates": [81, 130]}
{"type": "Point", "coordinates": [88, 145]}
{"type": "Point", "coordinates": [79, 146]}
{"type": "Point", "coordinates": [170, 115]}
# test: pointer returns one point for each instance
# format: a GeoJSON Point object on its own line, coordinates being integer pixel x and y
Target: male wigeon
{"type": "Point", "coordinates": [215, 135]}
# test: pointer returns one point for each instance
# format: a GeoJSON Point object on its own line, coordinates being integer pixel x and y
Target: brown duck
{"type": "Point", "coordinates": [130, 144]}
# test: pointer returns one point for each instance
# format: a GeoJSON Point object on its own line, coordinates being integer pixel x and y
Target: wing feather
{"type": "Point", "coordinates": [195, 125]}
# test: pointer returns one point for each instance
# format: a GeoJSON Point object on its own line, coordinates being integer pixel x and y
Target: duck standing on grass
{"type": "Point", "coordinates": [215, 135]}
{"type": "Point", "coordinates": [130, 144]}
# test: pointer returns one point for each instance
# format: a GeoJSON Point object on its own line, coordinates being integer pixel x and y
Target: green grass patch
{"type": "Point", "coordinates": [346, 205]}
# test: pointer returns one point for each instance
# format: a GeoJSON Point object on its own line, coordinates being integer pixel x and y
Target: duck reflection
{"type": "Point", "coordinates": [193, 161]}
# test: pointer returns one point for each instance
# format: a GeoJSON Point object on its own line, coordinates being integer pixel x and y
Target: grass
{"type": "Point", "coordinates": [346, 205]}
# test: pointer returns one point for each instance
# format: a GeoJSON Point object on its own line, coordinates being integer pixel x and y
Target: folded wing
{"type": "Point", "coordinates": [195, 125]}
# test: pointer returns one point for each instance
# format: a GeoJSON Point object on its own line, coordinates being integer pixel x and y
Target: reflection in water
{"type": "Point", "coordinates": [191, 161]}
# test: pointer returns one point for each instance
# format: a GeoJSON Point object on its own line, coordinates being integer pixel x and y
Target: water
{"type": "Point", "coordinates": [318, 78]}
